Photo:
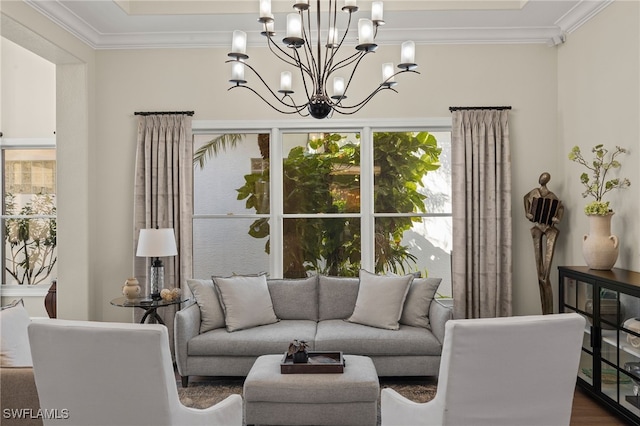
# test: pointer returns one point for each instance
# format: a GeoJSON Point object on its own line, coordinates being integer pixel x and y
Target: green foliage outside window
{"type": "Point", "coordinates": [319, 181]}
{"type": "Point", "coordinates": [31, 254]}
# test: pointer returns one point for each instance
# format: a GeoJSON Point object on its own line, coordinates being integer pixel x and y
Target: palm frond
{"type": "Point", "coordinates": [211, 148]}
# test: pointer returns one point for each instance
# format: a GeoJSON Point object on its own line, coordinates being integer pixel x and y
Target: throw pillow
{"type": "Point", "coordinates": [416, 308]}
{"type": "Point", "coordinates": [14, 339]}
{"type": "Point", "coordinates": [246, 301]}
{"type": "Point", "coordinates": [295, 299]}
{"type": "Point", "coordinates": [211, 313]}
{"type": "Point", "coordinates": [336, 297]}
{"type": "Point", "coordinates": [380, 300]}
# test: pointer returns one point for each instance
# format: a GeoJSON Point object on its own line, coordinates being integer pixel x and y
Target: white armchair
{"type": "Point", "coordinates": [97, 373]}
{"type": "Point", "coordinates": [499, 371]}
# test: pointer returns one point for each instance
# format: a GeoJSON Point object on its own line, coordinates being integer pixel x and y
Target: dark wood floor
{"type": "Point", "coordinates": [587, 412]}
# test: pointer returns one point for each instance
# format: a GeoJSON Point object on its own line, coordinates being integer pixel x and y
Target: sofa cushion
{"type": "Point", "coordinates": [14, 339]}
{"type": "Point", "coordinates": [419, 297]}
{"type": "Point", "coordinates": [336, 297]}
{"type": "Point", "coordinates": [356, 339]}
{"type": "Point", "coordinates": [245, 300]}
{"type": "Point", "coordinates": [211, 313]}
{"type": "Point", "coordinates": [380, 300]}
{"type": "Point", "coordinates": [265, 339]}
{"type": "Point", "coordinates": [295, 299]}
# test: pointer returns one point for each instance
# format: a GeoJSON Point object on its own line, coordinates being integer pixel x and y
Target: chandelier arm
{"type": "Point", "coordinates": [295, 111]}
{"type": "Point", "coordinates": [306, 33]}
{"type": "Point", "coordinates": [301, 108]}
{"type": "Point", "coordinates": [291, 61]}
{"type": "Point", "coordinates": [303, 77]}
{"type": "Point", "coordinates": [264, 84]}
{"type": "Point", "coordinates": [335, 50]}
{"type": "Point", "coordinates": [346, 110]}
{"type": "Point", "coordinates": [353, 71]}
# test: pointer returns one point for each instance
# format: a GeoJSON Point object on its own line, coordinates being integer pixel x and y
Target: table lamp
{"type": "Point", "coordinates": [156, 243]}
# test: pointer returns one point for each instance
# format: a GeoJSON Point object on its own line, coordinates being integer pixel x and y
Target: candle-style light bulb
{"type": "Point", "coordinates": [285, 82]}
{"type": "Point", "coordinates": [239, 42]}
{"type": "Point", "coordinates": [408, 53]}
{"type": "Point", "coordinates": [338, 87]}
{"type": "Point", "coordinates": [365, 31]}
{"type": "Point", "coordinates": [237, 73]}
{"type": "Point", "coordinates": [265, 9]}
{"type": "Point", "coordinates": [377, 12]}
{"type": "Point", "coordinates": [388, 79]}
{"type": "Point", "coordinates": [294, 25]}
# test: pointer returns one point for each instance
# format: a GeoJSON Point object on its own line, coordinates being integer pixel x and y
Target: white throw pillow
{"type": "Point", "coordinates": [380, 300]}
{"type": "Point", "coordinates": [206, 295]}
{"type": "Point", "coordinates": [416, 307]}
{"type": "Point", "coordinates": [14, 339]}
{"type": "Point", "coordinates": [246, 301]}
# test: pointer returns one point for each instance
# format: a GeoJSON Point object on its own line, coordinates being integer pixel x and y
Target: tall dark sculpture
{"type": "Point", "coordinates": [545, 210]}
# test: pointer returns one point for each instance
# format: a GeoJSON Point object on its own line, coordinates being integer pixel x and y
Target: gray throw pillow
{"type": "Point", "coordinates": [295, 299]}
{"type": "Point", "coordinates": [416, 308]}
{"type": "Point", "coordinates": [336, 297]}
{"type": "Point", "coordinates": [380, 300]}
{"type": "Point", "coordinates": [211, 313]}
{"type": "Point", "coordinates": [246, 301]}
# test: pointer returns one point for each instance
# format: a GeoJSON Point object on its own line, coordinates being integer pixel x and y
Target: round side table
{"type": "Point", "coordinates": [149, 306]}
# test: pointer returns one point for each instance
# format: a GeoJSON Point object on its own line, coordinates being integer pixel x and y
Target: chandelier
{"type": "Point", "coordinates": [317, 60]}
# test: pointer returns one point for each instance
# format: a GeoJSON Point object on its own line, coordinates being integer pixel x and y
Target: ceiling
{"type": "Point", "coordinates": [128, 24]}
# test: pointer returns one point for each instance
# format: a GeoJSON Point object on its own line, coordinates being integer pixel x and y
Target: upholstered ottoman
{"type": "Point", "coordinates": [348, 398]}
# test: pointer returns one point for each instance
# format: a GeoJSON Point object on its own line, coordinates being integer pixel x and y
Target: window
{"type": "Point", "coordinates": [29, 216]}
{"type": "Point", "coordinates": [293, 202]}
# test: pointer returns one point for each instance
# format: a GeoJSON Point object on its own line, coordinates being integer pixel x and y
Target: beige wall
{"type": "Point", "coordinates": [528, 77]}
{"type": "Point", "coordinates": [28, 93]}
{"type": "Point", "coordinates": [599, 102]}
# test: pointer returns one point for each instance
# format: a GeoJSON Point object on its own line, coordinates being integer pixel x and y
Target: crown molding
{"type": "Point", "coordinates": [577, 16]}
{"type": "Point", "coordinates": [580, 14]}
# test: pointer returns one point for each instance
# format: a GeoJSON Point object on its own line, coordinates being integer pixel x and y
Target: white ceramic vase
{"type": "Point", "coordinates": [600, 247]}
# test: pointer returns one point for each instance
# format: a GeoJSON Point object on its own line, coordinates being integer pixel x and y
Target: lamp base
{"type": "Point", "coordinates": [156, 296]}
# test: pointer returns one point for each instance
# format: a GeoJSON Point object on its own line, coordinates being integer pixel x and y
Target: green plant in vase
{"type": "Point", "coordinates": [600, 247]}
{"type": "Point", "coordinates": [597, 184]}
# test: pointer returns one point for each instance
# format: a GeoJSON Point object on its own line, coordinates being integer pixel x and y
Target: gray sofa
{"type": "Point", "coordinates": [315, 310]}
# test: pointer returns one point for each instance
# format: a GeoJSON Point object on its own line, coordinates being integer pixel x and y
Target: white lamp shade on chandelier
{"type": "Point", "coordinates": [313, 54]}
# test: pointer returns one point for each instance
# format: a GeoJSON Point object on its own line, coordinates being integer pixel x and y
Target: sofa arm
{"type": "Point", "coordinates": [186, 326]}
{"type": "Point", "coordinates": [440, 312]}
{"type": "Point", "coordinates": [18, 395]}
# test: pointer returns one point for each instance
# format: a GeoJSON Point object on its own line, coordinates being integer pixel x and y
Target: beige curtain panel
{"type": "Point", "coordinates": [481, 181]}
{"type": "Point", "coordinates": [164, 196]}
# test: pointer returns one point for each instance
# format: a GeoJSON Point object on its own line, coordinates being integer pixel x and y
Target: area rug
{"type": "Point", "coordinates": [209, 391]}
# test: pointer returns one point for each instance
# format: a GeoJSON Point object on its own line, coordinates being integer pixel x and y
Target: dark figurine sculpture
{"type": "Point", "coordinates": [545, 210]}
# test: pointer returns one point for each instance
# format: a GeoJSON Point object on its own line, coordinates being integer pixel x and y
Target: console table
{"type": "Point", "coordinates": [610, 361]}
{"type": "Point", "coordinates": [149, 306]}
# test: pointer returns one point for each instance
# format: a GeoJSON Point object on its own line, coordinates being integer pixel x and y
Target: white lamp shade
{"type": "Point", "coordinates": [157, 243]}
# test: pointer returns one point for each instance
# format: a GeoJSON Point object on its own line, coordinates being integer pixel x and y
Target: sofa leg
{"type": "Point", "coordinates": [185, 381]}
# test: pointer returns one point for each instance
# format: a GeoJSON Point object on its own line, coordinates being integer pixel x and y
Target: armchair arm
{"type": "Point", "coordinates": [186, 326]}
{"type": "Point", "coordinates": [396, 410]}
{"type": "Point", "coordinates": [439, 313]}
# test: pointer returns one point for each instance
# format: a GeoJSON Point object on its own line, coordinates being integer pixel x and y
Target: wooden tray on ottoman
{"type": "Point", "coordinates": [320, 362]}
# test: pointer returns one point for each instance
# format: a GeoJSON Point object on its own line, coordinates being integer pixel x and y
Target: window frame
{"type": "Point", "coordinates": [277, 128]}
{"type": "Point", "coordinates": [17, 290]}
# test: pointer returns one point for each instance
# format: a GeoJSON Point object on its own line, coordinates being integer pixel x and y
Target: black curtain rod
{"type": "Point", "coordinates": [481, 107]}
{"type": "Point", "coordinates": [189, 113]}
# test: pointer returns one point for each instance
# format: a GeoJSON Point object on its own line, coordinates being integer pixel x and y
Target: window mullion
{"type": "Point", "coordinates": [367, 224]}
{"type": "Point", "coordinates": [276, 204]}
